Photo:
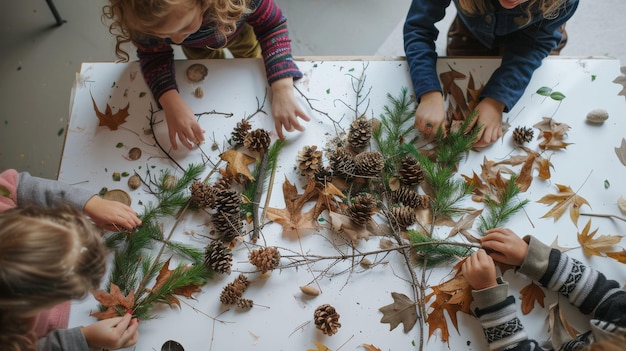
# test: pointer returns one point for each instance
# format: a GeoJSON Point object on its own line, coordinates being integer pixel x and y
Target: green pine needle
{"type": "Point", "coordinates": [499, 212]}
{"type": "Point", "coordinates": [438, 253]}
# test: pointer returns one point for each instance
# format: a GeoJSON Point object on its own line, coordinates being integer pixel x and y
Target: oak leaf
{"type": "Point", "coordinates": [110, 119]}
{"type": "Point", "coordinates": [619, 256]}
{"type": "Point", "coordinates": [596, 246]}
{"type": "Point", "coordinates": [293, 220]}
{"type": "Point", "coordinates": [553, 133]}
{"type": "Point", "coordinates": [402, 310]}
{"type": "Point", "coordinates": [165, 274]}
{"type": "Point", "coordinates": [114, 301]}
{"type": "Point", "coordinates": [531, 293]}
{"type": "Point", "coordinates": [238, 164]}
{"type": "Point", "coordinates": [565, 198]}
{"type": "Point", "coordinates": [464, 225]}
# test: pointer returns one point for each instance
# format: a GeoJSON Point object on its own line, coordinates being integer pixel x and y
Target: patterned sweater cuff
{"type": "Point", "coordinates": [501, 326]}
{"type": "Point", "coordinates": [536, 260]}
{"type": "Point", "coordinates": [491, 296]}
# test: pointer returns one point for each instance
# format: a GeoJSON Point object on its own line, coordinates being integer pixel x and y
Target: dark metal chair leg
{"type": "Point", "coordinates": [55, 13]}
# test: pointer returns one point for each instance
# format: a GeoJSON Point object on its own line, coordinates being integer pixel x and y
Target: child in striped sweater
{"type": "Point", "coordinates": [203, 28]}
{"type": "Point", "coordinates": [584, 287]}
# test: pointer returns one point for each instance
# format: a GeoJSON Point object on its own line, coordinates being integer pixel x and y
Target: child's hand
{"type": "Point", "coordinates": [479, 270]}
{"type": "Point", "coordinates": [113, 333]}
{"type": "Point", "coordinates": [285, 108]}
{"type": "Point", "coordinates": [181, 121]}
{"type": "Point", "coordinates": [505, 246]}
{"type": "Point", "coordinates": [111, 215]}
{"type": "Point", "coordinates": [490, 121]}
{"type": "Point", "coordinates": [430, 114]}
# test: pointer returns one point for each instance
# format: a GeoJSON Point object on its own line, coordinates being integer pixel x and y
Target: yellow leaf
{"type": "Point", "coordinates": [620, 256]}
{"type": "Point", "coordinates": [596, 246]}
{"type": "Point", "coordinates": [238, 164]}
{"type": "Point", "coordinates": [319, 347]}
{"type": "Point", "coordinates": [565, 198]}
{"type": "Point", "coordinates": [370, 347]}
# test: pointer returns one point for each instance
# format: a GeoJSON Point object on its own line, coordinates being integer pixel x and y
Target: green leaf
{"type": "Point", "coordinates": [558, 96]}
{"type": "Point", "coordinates": [606, 184]}
{"type": "Point", "coordinates": [119, 145]}
{"type": "Point", "coordinates": [328, 91]}
{"type": "Point", "coordinates": [593, 77]}
{"type": "Point", "coordinates": [544, 91]}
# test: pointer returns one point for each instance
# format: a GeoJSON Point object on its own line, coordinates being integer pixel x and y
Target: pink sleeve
{"type": "Point", "coordinates": [8, 189]}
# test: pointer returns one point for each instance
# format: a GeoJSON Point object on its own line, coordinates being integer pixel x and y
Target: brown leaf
{"type": "Point", "coordinates": [113, 121]}
{"type": "Point", "coordinates": [555, 245]}
{"type": "Point", "coordinates": [238, 164]}
{"type": "Point", "coordinates": [531, 293]}
{"type": "Point", "coordinates": [464, 225]}
{"type": "Point", "coordinates": [344, 224]}
{"type": "Point", "coordinates": [319, 347]}
{"type": "Point", "coordinates": [565, 198]}
{"type": "Point", "coordinates": [402, 310]}
{"type": "Point", "coordinates": [599, 245]}
{"type": "Point", "coordinates": [164, 274]}
{"type": "Point", "coordinates": [561, 331]}
{"type": "Point", "coordinates": [293, 220]}
{"type": "Point", "coordinates": [370, 347]}
{"type": "Point", "coordinates": [110, 312]}
{"type": "Point", "coordinates": [553, 133]}
{"type": "Point", "coordinates": [114, 301]}
{"type": "Point", "coordinates": [619, 256]}
{"type": "Point", "coordinates": [621, 152]}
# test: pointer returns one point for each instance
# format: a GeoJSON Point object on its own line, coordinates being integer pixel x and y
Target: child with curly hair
{"type": "Point", "coordinates": [522, 32]}
{"type": "Point", "coordinates": [584, 287]}
{"type": "Point", "coordinates": [203, 28]}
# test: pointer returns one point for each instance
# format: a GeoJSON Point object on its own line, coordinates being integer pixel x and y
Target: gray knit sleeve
{"type": "Point", "coordinates": [64, 340]}
{"type": "Point", "coordinates": [45, 192]}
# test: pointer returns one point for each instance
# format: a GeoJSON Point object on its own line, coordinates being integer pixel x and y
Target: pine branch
{"type": "Point", "coordinates": [499, 212]}
{"type": "Point", "coordinates": [436, 251]}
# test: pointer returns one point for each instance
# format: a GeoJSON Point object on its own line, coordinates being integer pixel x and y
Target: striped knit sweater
{"type": "Point", "coordinates": [156, 55]}
{"type": "Point", "coordinates": [584, 287]}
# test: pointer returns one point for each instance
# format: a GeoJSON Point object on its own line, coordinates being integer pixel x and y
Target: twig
{"type": "Point", "coordinates": [257, 196]}
{"type": "Point", "coordinates": [604, 215]}
{"type": "Point", "coordinates": [152, 123]}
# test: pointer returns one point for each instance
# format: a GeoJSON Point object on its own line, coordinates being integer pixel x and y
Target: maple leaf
{"type": "Point", "coordinates": [565, 198]}
{"type": "Point", "coordinates": [621, 79]}
{"type": "Point", "coordinates": [293, 220]}
{"type": "Point", "coordinates": [531, 293]}
{"type": "Point", "coordinates": [464, 225]}
{"type": "Point", "coordinates": [113, 121]}
{"type": "Point", "coordinates": [619, 256]}
{"type": "Point", "coordinates": [402, 310]}
{"type": "Point", "coordinates": [319, 347]}
{"type": "Point", "coordinates": [596, 246]}
{"type": "Point", "coordinates": [555, 245]}
{"type": "Point", "coordinates": [553, 133]}
{"type": "Point", "coordinates": [115, 302]}
{"type": "Point", "coordinates": [238, 164]}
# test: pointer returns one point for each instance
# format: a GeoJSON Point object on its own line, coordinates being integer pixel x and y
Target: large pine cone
{"type": "Point", "coordinates": [227, 219]}
{"type": "Point", "coordinates": [309, 160]}
{"type": "Point", "coordinates": [369, 164]}
{"type": "Point", "coordinates": [522, 135]}
{"type": "Point", "coordinates": [410, 171]}
{"type": "Point", "coordinates": [410, 198]}
{"type": "Point", "coordinates": [202, 195]}
{"type": "Point", "coordinates": [239, 133]}
{"type": "Point", "coordinates": [360, 133]}
{"type": "Point", "coordinates": [326, 319]}
{"type": "Point", "coordinates": [257, 140]}
{"type": "Point", "coordinates": [265, 258]}
{"type": "Point", "coordinates": [362, 209]}
{"type": "Point", "coordinates": [342, 162]}
{"type": "Point", "coordinates": [218, 257]}
{"type": "Point", "coordinates": [402, 216]}
{"type": "Point", "coordinates": [222, 184]}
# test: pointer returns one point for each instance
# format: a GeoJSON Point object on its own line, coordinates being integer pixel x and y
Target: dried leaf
{"type": "Point", "coordinates": [553, 133]}
{"type": "Point", "coordinates": [619, 256]}
{"type": "Point", "coordinates": [345, 225]}
{"type": "Point", "coordinates": [596, 246]}
{"type": "Point", "coordinates": [464, 225]}
{"type": "Point", "coordinates": [402, 310]}
{"type": "Point", "coordinates": [621, 203]}
{"type": "Point", "coordinates": [238, 164]}
{"type": "Point", "coordinates": [114, 301]}
{"type": "Point", "coordinates": [565, 198]}
{"type": "Point", "coordinates": [531, 293]}
{"type": "Point", "coordinates": [319, 347]}
{"type": "Point", "coordinates": [293, 220]}
{"type": "Point", "coordinates": [555, 245]}
{"type": "Point", "coordinates": [113, 121]}
{"type": "Point", "coordinates": [370, 347]}
{"type": "Point", "coordinates": [621, 152]}
{"type": "Point", "coordinates": [561, 331]}
{"type": "Point", "coordinates": [621, 79]}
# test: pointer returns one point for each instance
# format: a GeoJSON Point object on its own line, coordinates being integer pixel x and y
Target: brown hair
{"type": "Point", "coordinates": [134, 18]}
{"type": "Point", "coordinates": [481, 7]}
{"type": "Point", "coordinates": [47, 256]}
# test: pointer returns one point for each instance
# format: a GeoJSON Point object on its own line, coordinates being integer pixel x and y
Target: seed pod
{"type": "Point", "coordinates": [199, 93]}
{"type": "Point", "coordinates": [134, 182]}
{"type": "Point", "coordinates": [309, 290]}
{"type": "Point", "coordinates": [134, 153]}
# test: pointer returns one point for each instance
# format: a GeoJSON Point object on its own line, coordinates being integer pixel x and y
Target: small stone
{"type": "Point", "coordinates": [197, 72]}
{"type": "Point", "coordinates": [199, 93]}
{"type": "Point", "coordinates": [134, 182]}
{"type": "Point", "coordinates": [597, 116]}
{"type": "Point", "coordinates": [134, 153]}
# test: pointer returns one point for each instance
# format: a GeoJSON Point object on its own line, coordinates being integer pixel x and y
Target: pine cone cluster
{"type": "Point", "coordinates": [326, 319]}
{"type": "Point", "coordinates": [238, 135]}
{"type": "Point", "coordinates": [522, 135]}
{"type": "Point", "coordinates": [226, 219]}
{"type": "Point", "coordinates": [202, 195]}
{"type": "Point", "coordinates": [257, 140]}
{"type": "Point", "coordinates": [265, 258]}
{"type": "Point", "coordinates": [323, 175]}
{"type": "Point", "coordinates": [309, 160]}
{"type": "Point", "coordinates": [362, 209]}
{"type": "Point", "coordinates": [402, 216]}
{"type": "Point", "coordinates": [360, 133]}
{"type": "Point", "coordinates": [342, 162]}
{"type": "Point", "coordinates": [410, 171]}
{"type": "Point", "coordinates": [369, 164]}
{"type": "Point", "coordinates": [218, 258]}
{"type": "Point", "coordinates": [245, 304]}
{"type": "Point", "coordinates": [410, 198]}
{"type": "Point", "coordinates": [232, 292]}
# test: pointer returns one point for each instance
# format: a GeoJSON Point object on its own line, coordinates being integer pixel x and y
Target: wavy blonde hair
{"type": "Point", "coordinates": [47, 256]}
{"type": "Point", "coordinates": [481, 7]}
{"type": "Point", "coordinates": [136, 18]}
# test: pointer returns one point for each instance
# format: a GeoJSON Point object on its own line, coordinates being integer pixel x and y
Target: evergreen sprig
{"type": "Point", "coordinates": [500, 211]}
{"type": "Point", "coordinates": [437, 253]}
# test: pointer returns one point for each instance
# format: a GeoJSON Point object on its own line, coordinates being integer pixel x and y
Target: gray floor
{"type": "Point", "coordinates": [40, 59]}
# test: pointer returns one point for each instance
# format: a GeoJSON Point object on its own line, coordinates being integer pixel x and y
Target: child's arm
{"type": "Point", "coordinates": [63, 339]}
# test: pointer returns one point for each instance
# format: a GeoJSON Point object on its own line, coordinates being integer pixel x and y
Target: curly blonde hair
{"type": "Point", "coordinates": [136, 18]}
{"type": "Point", "coordinates": [47, 256]}
{"type": "Point", "coordinates": [481, 7]}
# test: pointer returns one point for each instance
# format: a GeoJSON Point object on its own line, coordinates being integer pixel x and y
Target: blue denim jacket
{"type": "Point", "coordinates": [524, 45]}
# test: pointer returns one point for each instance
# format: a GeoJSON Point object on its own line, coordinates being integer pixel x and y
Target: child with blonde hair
{"type": "Point", "coordinates": [203, 28]}
{"type": "Point", "coordinates": [522, 32]}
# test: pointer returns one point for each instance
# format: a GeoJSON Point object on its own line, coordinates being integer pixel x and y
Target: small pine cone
{"type": "Point", "coordinates": [265, 258]}
{"type": "Point", "coordinates": [203, 195]}
{"type": "Point", "coordinates": [402, 216]}
{"type": "Point", "coordinates": [239, 133]}
{"type": "Point", "coordinates": [245, 304]}
{"type": "Point", "coordinates": [309, 160]}
{"type": "Point", "coordinates": [257, 140]}
{"type": "Point", "coordinates": [522, 135]}
{"type": "Point", "coordinates": [409, 197]}
{"type": "Point", "coordinates": [326, 319]}
{"type": "Point", "coordinates": [362, 209]}
{"type": "Point", "coordinates": [232, 291]}
{"type": "Point", "coordinates": [218, 257]}
{"type": "Point", "coordinates": [369, 164]}
{"type": "Point", "coordinates": [241, 282]}
{"type": "Point", "coordinates": [410, 171]}
{"type": "Point", "coordinates": [342, 162]}
{"type": "Point", "coordinates": [360, 132]}
{"type": "Point", "coordinates": [323, 175]}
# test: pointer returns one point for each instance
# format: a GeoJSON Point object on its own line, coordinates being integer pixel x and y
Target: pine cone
{"type": "Point", "coordinates": [342, 162]}
{"type": "Point", "coordinates": [323, 175]}
{"type": "Point", "coordinates": [239, 133]}
{"type": "Point", "coordinates": [402, 216]}
{"type": "Point", "coordinates": [265, 258]}
{"type": "Point", "coordinates": [245, 304]}
{"type": "Point", "coordinates": [369, 164]}
{"type": "Point", "coordinates": [218, 257]}
{"type": "Point", "coordinates": [309, 160]}
{"type": "Point", "coordinates": [202, 195]}
{"type": "Point", "coordinates": [410, 171]}
{"type": "Point", "coordinates": [360, 133]}
{"type": "Point", "coordinates": [226, 219]}
{"type": "Point", "coordinates": [326, 319]}
{"type": "Point", "coordinates": [233, 291]}
{"type": "Point", "coordinates": [257, 140]}
{"type": "Point", "coordinates": [223, 184]}
{"type": "Point", "coordinates": [522, 135]}
{"type": "Point", "coordinates": [410, 198]}
{"type": "Point", "coordinates": [362, 209]}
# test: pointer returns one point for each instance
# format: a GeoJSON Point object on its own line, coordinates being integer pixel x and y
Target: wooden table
{"type": "Point", "coordinates": [282, 318]}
